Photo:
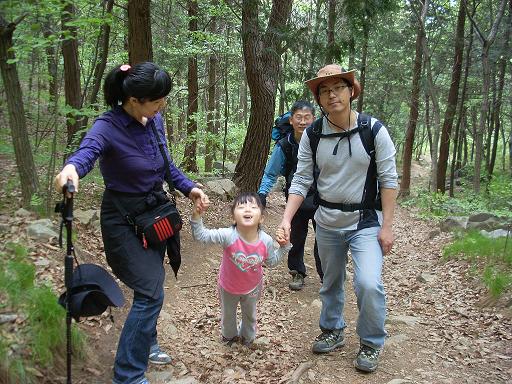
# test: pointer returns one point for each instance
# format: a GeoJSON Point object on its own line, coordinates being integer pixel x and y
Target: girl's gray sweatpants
{"type": "Point", "coordinates": [229, 303]}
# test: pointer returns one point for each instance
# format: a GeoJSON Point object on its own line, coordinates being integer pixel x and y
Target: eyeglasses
{"type": "Point", "coordinates": [337, 89]}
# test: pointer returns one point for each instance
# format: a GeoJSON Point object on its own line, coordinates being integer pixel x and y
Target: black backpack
{"type": "Point", "coordinates": [282, 126]}
{"type": "Point", "coordinates": [371, 194]}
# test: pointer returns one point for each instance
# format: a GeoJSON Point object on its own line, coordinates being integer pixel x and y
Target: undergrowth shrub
{"type": "Point", "coordinates": [495, 255]}
{"type": "Point", "coordinates": [38, 337]}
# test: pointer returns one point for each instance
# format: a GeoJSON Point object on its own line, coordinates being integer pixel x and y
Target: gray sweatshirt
{"type": "Point", "coordinates": [342, 177]}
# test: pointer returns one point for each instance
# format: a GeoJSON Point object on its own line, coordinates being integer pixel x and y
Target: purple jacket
{"type": "Point", "coordinates": [130, 160]}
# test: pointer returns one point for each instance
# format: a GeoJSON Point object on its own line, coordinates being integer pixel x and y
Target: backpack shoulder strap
{"type": "Point", "coordinates": [314, 131]}
{"type": "Point", "coordinates": [368, 132]}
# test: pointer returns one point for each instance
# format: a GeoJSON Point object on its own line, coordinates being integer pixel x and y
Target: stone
{"type": "Point", "coordinates": [453, 223]}
{"type": "Point", "coordinates": [496, 233]}
{"type": "Point", "coordinates": [424, 277]}
{"type": "Point", "coordinates": [86, 217]}
{"type": "Point", "coordinates": [22, 212]}
{"type": "Point", "coordinates": [402, 319]}
{"type": "Point", "coordinates": [396, 339]}
{"type": "Point", "coordinates": [42, 230]}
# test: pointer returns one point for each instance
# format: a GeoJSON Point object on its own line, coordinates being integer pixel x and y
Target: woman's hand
{"type": "Point", "coordinates": [200, 199]}
{"type": "Point", "coordinates": [67, 173]}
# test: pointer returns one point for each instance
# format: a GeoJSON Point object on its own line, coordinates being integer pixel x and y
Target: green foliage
{"type": "Point", "coordinates": [43, 334]}
{"type": "Point", "coordinates": [495, 254]}
{"type": "Point", "coordinates": [497, 199]}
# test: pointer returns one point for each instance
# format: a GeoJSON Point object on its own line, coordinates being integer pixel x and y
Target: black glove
{"type": "Point", "coordinates": [263, 199]}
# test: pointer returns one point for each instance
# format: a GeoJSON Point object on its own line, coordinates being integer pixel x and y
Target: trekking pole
{"type": "Point", "coordinates": [66, 209]}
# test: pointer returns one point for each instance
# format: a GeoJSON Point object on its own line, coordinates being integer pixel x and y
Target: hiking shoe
{"type": "Point", "coordinates": [229, 342]}
{"type": "Point", "coordinates": [159, 357]}
{"type": "Point", "coordinates": [367, 358]}
{"type": "Point", "coordinates": [328, 341]}
{"type": "Point", "coordinates": [297, 282]}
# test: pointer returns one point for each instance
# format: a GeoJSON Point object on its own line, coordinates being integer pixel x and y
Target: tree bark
{"type": "Point", "coordinates": [502, 66]}
{"type": "Point", "coordinates": [362, 75]}
{"type": "Point", "coordinates": [262, 53]}
{"type": "Point", "coordinates": [459, 139]}
{"type": "Point", "coordinates": [99, 69]}
{"type": "Point", "coordinates": [451, 106]}
{"type": "Point", "coordinates": [140, 41]}
{"type": "Point", "coordinates": [190, 155]}
{"type": "Point", "coordinates": [210, 146]}
{"type": "Point", "coordinates": [29, 184]}
{"type": "Point", "coordinates": [72, 87]}
{"type": "Point", "coordinates": [486, 45]}
{"type": "Point", "coordinates": [331, 55]}
{"type": "Point", "coordinates": [405, 184]}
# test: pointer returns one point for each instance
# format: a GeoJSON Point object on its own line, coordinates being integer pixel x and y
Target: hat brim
{"type": "Point", "coordinates": [92, 274]}
{"type": "Point", "coordinates": [315, 82]}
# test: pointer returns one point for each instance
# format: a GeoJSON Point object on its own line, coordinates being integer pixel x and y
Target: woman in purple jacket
{"type": "Point", "coordinates": [133, 171]}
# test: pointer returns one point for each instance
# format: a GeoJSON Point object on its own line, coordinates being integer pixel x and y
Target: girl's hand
{"type": "Point", "coordinates": [200, 199]}
{"type": "Point", "coordinates": [67, 173]}
{"type": "Point", "coordinates": [280, 237]}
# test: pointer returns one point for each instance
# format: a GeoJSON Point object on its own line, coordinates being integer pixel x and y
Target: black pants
{"type": "Point", "coordinates": [298, 234]}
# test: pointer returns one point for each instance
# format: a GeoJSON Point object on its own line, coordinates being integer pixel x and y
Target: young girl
{"type": "Point", "coordinates": [246, 248]}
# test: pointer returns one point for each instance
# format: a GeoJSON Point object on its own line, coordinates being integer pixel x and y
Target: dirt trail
{"type": "Point", "coordinates": [438, 332]}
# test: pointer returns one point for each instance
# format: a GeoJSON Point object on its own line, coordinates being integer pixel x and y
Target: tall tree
{"type": "Point", "coordinates": [451, 105]}
{"type": "Point", "coordinates": [487, 42]}
{"type": "Point", "coordinates": [140, 41]}
{"type": "Point", "coordinates": [262, 53]}
{"type": "Point", "coordinates": [25, 162]}
{"type": "Point", "coordinates": [72, 87]}
{"type": "Point", "coordinates": [502, 65]}
{"type": "Point", "coordinates": [190, 158]}
{"type": "Point", "coordinates": [332, 54]}
{"type": "Point", "coordinates": [210, 147]}
{"type": "Point", "coordinates": [405, 184]}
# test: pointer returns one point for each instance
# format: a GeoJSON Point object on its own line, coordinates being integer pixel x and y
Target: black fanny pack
{"type": "Point", "coordinates": [157, 225]}
{"type": "Point", "coordinates": [155, 219]}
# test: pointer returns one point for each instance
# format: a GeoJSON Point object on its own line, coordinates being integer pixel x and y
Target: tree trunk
{"type": "Point", "coordinates": [502, 67]}
{"type": "Point", "coordinates": [405, 184]}
{"type": "Point", "coordinates": [190, 155]}
{"type": "Point", "coordinates": [140, 41]}
{"type": "Point", "coordinates": [99, 69]}
{"type": "Point", "coordinates": [362, 75]}
{"type": "Point", "coordinates": [331, 51]}
{"type": "Point", "coordinates": [456, 156]}
{"type": "Point", "coordinates": [261, 55]}
{"type": "Point", "coordinates": [53, 65]}
{"type": "Point", "coordinates": [72, 87]}
{"type": "Point", "coordinates": [29, 184]}
{"type": "Point", "coordinates": [486, 45]}
{"type": "Point", "coordinates": [451, 106]}
{"type": "Point", "coordinates": [210, 146]}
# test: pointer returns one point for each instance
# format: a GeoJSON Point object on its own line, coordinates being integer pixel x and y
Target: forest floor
{"type": "Point", "coordinates": [442, 325]}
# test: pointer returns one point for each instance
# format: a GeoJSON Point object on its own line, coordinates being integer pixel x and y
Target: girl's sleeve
{"type": "Point", "coordinates": [204, 235]}
{"type": "Point", "coordinates": [275, 254]}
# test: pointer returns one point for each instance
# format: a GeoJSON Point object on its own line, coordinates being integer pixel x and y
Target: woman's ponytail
{"type": "Point", "coordinates": [113, 85]}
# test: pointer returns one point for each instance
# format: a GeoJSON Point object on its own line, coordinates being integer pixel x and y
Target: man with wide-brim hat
{"type": "Point", "coordinates": [356, 192]}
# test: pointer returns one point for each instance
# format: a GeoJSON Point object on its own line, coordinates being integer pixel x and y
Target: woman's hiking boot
{"type": "Point", "coordinates": [159, 357]}
{"type": "Point", "coordinates": [297, 282]}
{"type": "Point", "coordinates": [328, 341]}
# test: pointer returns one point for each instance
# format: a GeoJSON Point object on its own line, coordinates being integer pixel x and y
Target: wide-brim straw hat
{"type": "Point", "coordinates": [333, 71]}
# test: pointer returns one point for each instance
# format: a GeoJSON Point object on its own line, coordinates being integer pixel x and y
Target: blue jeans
{"type": "Point", "coordinates": [367, 258]}
{"type": "Point", "coordinates": [137, 337]}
